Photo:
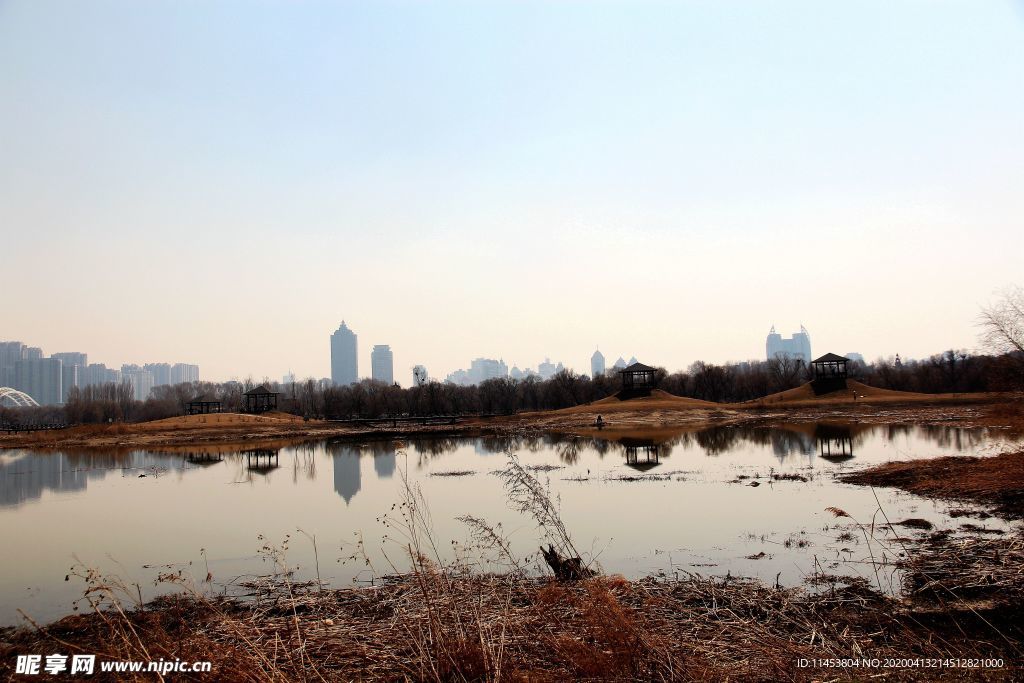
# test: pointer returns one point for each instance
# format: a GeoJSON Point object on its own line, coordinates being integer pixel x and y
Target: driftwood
{"type": "Point", "coordinates": [565, 568]}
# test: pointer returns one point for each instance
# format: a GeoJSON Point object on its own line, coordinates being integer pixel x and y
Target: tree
{"type": "Point", "coordinates": [1002, 323]}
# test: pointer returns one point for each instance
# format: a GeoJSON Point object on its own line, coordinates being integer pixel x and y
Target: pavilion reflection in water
{"type": "Point", "coordinates": [835, 443]}
{"type": "Point", "coordinates": [641, 454]}
{"type": "Point", "coordinates": [262, 460]}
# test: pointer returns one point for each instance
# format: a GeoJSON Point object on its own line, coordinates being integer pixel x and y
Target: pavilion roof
{"type": "Point", "coordinates": [261, 389]}
{"type": "Point", "coordinates": [830, 358]}
{"type": "Point", "coordinates": [638, 367]}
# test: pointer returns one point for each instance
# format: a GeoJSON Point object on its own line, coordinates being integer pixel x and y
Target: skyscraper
{"type": "Point", "coordinates": [40, 378]}
{"type": "Point", "coordinates": [72, 369]}
{"type": "Point", "coordinates": [184, 372]}
{"type": "Point", "coordinates": [161, 373]}
{"type": "Point", "coordinates": [140, 380]}
{"type": "Point", "coordinates": [10, 354]}
{"type": "Point", "coordinates": [597, 364]}
{"type": "Point", "coordinates": [797, 347]}
{"type": "Point", "coordinates": [382, 364]}
{"type": "Point", "coordinates": [344, 356]}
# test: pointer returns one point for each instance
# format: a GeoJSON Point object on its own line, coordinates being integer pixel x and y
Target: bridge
{"type": "Point", "coordinates": [19, 398]}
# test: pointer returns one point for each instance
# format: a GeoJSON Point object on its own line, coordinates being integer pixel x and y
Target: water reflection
{"type": "Point", "coordinates": [26, 476]}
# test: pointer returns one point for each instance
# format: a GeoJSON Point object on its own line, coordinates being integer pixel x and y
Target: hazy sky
{"type": "Point", "coordinates": [224, 182]}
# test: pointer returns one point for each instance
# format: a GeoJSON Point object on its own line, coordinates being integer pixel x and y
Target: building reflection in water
{"type": "Point", "coordinates": [346, 469]}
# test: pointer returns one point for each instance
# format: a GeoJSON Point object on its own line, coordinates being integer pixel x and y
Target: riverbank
{"type": "Point", "coordinates": [638, 417]}
{"type": "Point", "coordinates": [996, 481]}
{"type": "Point", "coordinates": [436, 625]}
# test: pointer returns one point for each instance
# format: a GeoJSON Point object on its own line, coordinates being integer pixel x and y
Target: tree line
{"type": "Point", "coordinates": [951, 371]}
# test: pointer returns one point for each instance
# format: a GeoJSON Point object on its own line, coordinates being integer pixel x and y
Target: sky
{"type": "Point", "coordinates": [223, 183]}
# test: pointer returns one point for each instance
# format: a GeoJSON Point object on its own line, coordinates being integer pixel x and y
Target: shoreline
{"type": "Point", "coordinates": [634, 417]}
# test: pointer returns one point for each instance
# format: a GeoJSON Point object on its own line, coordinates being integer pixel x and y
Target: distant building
{"type": "Point", "coordinates": [161, 373]}
{"type": "Point", "coordinates": [619, 364]}
{"type": "Point", "coordinates": [852, 356]}
{"type": "Point", "coordinates": [182, 373]}
{"type": "Point", "coordinates": [797, 347]}
{"type": "Point", "coordinates": [11, 352]}
{"type": "Point", "coordinates": [483, 369]}
{"type": "Point", "coordinates": [547, 369]}
{"type": "Point", "coordinates": [96, 374]}
{"type": "Point", "coordinates": [289, 378]}
{"type": "Point", "coordinates": [73, 364]}
{"type": "Point", "coordinates": [344, 356]}
{"type": "Point", "coordinates": [40, 378]}
{"type": "Point", "coordinates": [597, 364]}
{"type": "Point", "coordinates": [419, 376]}
{"type": "Point", "coordinates": [382, 364]}
{"type": "Point", "coordinates": [140, 380]}
{"type": "Point", "coordinates": [459, 378]}
{"type": "Point", "coordinates": [516, 374]}
{"type": "Point", "coordinates": [32, 353]}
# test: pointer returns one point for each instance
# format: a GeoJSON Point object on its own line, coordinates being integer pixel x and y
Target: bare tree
{"type": "Point", "coordinates": [1002, 323]}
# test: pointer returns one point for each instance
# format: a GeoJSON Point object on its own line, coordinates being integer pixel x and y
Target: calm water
{"type": "Point", "coordinates": [693, 510]}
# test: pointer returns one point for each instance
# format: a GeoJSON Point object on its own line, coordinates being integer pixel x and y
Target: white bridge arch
{"type": "Point", "coordinates": [19, 398]}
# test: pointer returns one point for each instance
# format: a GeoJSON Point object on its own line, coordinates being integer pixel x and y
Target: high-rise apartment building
{"type": "Point", "coordinates": [40, 378]}
{"type": "Point", "coordinates": [184, 372]}
{"type": "Point", "coordinates": [98, 373]}
{"type": "Point", "coordinates": [141, 381]}
{"type": "Point", "coordinates": [161, 373]}
{"type": "Point", "coordinates": [382, 364]}
{"type": "Point", "coordinates": [73, 367]}
{"type": "Point", "coordinates": [11, 352]}
{"type": "Point", "coordinates": [797, 347]}
{"type": "Point", "coordinates": [344, 356]}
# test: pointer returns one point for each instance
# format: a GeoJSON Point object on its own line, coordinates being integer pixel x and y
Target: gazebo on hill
{"type": "Point", "coordinates": [637, 380]}
{"type": "Point", "coordinates": [829, 373]}
{"type": "Point", "coordinates": [202, 406]}
{"type": "Point", "coordinates": [259, 400]}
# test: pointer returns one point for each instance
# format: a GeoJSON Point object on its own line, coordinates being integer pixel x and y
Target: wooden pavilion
{"type": "Point", "coordinates": [637, 380]}
{"type": "Point", "coordinates": [259, 400]}
{"type": "Point", "coordinates": [202, 407]}
{"type": "Point", "coordinates": [829, 373]}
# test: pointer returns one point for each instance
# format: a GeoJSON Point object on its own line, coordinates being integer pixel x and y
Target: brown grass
{"type": "Point", "coordinates": [997, 481]}
{"type": "Point", "coordinates": [429, 626]}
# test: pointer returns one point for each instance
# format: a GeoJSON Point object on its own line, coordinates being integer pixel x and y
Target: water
{"type": "Point", "coordinates": [692, 511]}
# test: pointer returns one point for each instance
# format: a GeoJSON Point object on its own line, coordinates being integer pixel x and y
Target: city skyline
{"type": "Point", "coordinates": [755, 158]}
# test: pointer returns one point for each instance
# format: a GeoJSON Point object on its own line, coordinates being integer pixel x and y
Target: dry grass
{"type": "Point", "coordinates": [435, 626]}
{"type": "Point", "coordinates": [997, 481]}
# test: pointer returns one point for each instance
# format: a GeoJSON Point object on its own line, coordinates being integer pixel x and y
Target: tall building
{"type": "Point", "coordinates": [140, 380]}
{"type": "Point", "coordinates": [797, 347]}
{"type": "Point", "coordinates": [96, 374]}
{"type": "Point", "coordinates": [419, 376]}
{"type": "Point", "coordinates": [11, 352]}
{"type": "Point", "coordinates": [161, 373]}
{"type": "Point", "coordinates": [619, 364]}
{"type": "Point", "coordinates": [182, 373]}
{"type": "Point", "coordinates": [344, 356]}
{"type": "Point", "coordinates": [40, 378]}
{"type": "Point", "coordinates": [32, 353]}
{"type": "Point", "coordinates": [597, 364]}
{"type": "Point", "coordinates": [547, 369]}
{"type": "Point", "coordinates": [382, 364]}
{"type": "Point", "coordinates": [73, 367]}
{"type": "Point", "coordinates": [483, 369]}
